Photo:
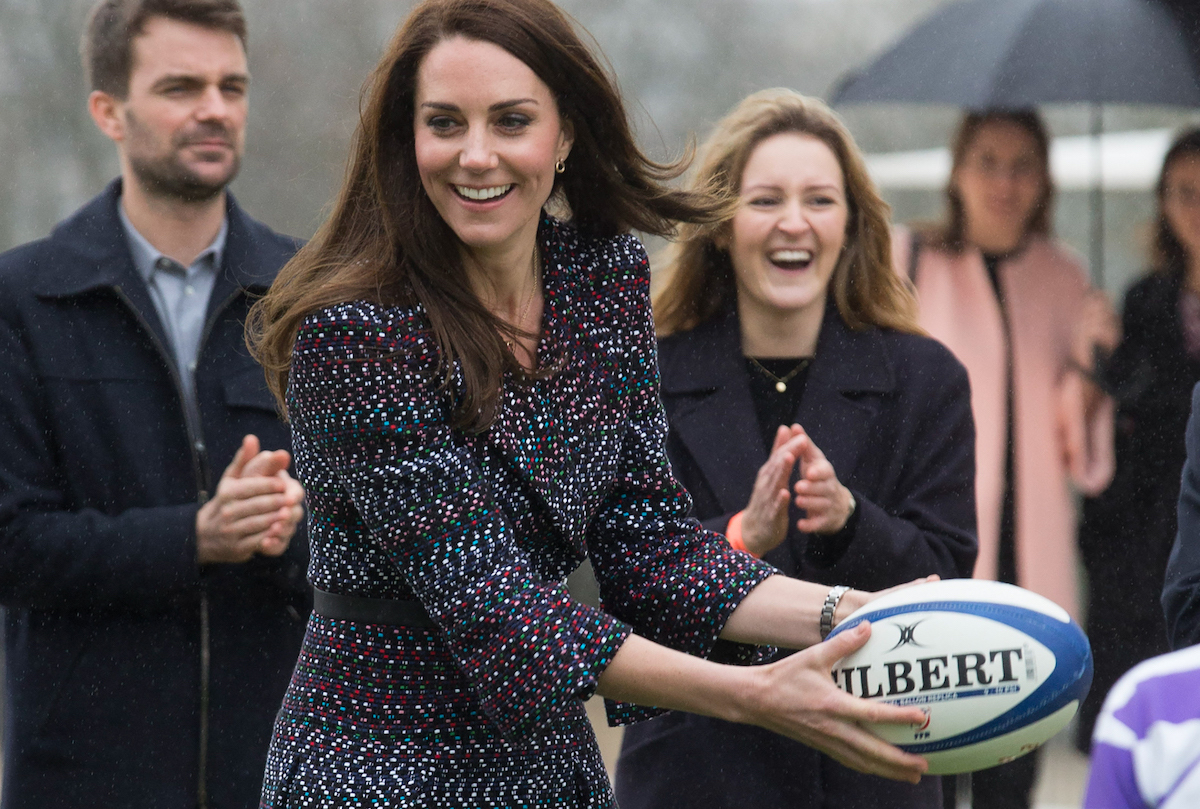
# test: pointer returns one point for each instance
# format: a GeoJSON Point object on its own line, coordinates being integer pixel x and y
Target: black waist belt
{"type": "Point", "coordinates": [370, 610]}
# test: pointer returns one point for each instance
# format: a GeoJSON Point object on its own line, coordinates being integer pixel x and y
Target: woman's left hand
{"type": "Point", "coordinates": [826, 502]}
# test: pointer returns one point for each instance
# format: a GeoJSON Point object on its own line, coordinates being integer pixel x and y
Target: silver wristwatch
{"type": "Point", "coordinates": [831, 603]}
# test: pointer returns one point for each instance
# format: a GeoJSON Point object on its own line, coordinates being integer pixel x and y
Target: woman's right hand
{"type": "Point", "coordinates": [765, 519]}
{"type": "Point", "coordinates": [796, 697]}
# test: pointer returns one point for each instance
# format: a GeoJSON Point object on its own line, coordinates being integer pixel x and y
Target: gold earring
{"type": "Point", "coordinates": [560, 167]}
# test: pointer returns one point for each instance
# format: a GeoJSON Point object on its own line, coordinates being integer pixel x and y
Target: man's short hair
{"type": "Point", "coordinates": [107, 46]}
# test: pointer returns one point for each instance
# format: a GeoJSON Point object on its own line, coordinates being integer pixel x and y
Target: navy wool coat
{"type": "Point", "coordinates": [892, 413]}
{"type": "Point", "coordinates": [135, 677]}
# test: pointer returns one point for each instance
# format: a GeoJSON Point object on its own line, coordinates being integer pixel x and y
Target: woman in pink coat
{"type": "Point", "coordinates": [1016, 309]}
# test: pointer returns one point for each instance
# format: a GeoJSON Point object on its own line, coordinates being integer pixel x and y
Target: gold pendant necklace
{"type": "Point", "coordinates": [537, 273]}
{"type": "Point", "coordinates": [781, 381]}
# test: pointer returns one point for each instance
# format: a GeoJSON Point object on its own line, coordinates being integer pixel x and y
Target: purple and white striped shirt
{"type": "Point", "coordinates": [1146, 746]}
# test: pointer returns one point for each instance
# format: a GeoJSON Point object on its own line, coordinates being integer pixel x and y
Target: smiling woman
{"type": "Point", "coordinates": [488, 167]}
{"type": "Point", "coordinates": [474, 396]}
{"type": "Point", "coordinates": [785, 241]}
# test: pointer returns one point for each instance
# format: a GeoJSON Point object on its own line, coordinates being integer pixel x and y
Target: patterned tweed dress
{"type": "Point", "coordinates": [486, 710]}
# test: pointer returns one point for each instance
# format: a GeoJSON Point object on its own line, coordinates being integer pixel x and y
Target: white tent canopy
{"type": "Point", "coordinates": [1130, 162]}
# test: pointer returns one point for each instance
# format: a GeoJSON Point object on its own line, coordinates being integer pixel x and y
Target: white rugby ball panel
{"type": "Point", "coordinates": [982, 590]}
{"type": "Point", "coordinates": [992, 665]}
{"type": "Point", "coordinates": [1000, 749]}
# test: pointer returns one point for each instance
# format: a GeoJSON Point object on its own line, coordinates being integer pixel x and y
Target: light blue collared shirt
{"type": "Point", "coordinates": [180, 295]}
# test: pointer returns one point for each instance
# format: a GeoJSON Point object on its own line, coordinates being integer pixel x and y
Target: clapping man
{"type": "Point", "coordinates": [155, 603]}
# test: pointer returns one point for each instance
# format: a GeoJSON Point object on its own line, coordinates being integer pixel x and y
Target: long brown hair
{"type": "Point", "coordinates": [951, 235]}
{"type": "Point", "coordinates": [1168, 251]}
{"type": "Point", "coordinates": [385, 242]}
{"type": "Point", "coordinates": [701, 283]}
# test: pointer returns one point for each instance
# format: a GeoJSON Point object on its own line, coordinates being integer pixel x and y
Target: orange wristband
{"type": "Point", "coordinates": [733, 533]}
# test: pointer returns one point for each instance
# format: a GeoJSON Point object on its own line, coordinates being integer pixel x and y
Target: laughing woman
{"type": "Point", "coordinates": [473, 392]}
{"type": "Point", "coordinates": [810, 421]}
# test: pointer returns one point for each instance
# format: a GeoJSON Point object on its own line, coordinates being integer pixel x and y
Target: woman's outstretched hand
{"type": "Point", "coordinates": [765, 519]}
{"type": "Point", "coordinates": [797, 698]}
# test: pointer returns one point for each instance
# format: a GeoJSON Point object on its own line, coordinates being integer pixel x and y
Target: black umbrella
{"type": "Point", "coordinates": [1187, 15]}
{"type": "Point", "coordinates": [983, 54]}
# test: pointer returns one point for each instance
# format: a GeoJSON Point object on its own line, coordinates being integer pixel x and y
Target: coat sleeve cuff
{"type": "Point", "coordinates": [739, 573]}
{"type": "Point", "coordinates": [824, 550]}
{"type": "Point", "coordinates": [168, 545]}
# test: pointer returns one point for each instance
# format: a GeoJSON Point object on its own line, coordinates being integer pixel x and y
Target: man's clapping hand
{"type": "Point", "coordinates": [255, 509]}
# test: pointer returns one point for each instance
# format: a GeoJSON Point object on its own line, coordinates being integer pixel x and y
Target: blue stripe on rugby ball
{"type": "Point", "coordinates": [1071, 679]}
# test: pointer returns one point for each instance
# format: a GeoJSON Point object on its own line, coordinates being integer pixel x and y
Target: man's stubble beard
{"type": "Point", "coordinates": [166, 177]}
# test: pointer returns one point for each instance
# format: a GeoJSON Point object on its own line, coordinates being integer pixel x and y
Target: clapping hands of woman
{"type": "Point", "coordinates": [826, 502]}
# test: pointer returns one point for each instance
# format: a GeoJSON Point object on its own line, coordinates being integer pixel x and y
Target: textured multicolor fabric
{"type": "Point", "coordinates": [486, 710]}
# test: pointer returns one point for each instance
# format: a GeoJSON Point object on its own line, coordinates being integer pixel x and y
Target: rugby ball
{"type": "Point", "coordinates": [997, 670]}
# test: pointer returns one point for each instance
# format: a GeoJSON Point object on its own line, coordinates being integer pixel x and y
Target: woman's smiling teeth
{"type": "Point", "coordinates": [791, 259]}
{"type": "Point", "coordinates": [482, 194]}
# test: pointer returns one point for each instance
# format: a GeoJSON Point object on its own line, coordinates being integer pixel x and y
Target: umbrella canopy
{"type": "Point", "coordinates": [982, 54]}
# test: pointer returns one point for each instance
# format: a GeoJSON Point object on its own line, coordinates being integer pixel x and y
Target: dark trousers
{"type": "Point", "coordinates": [1009, 786]}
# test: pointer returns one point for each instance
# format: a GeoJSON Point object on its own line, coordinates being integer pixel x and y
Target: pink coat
{"type": "Point", "coordinates": [1060, 444]}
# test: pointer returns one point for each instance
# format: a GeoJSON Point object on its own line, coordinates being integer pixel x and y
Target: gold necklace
{"type": "Point", "coordinates": [537, 267]}
{"type": "Point", "coordinates": [781, 381]}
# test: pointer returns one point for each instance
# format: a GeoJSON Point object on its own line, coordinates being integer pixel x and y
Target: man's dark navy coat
{"type": "Point", "coordinates": [135, 678]}
{"type": "Point", "coordinates": [892, 413]}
